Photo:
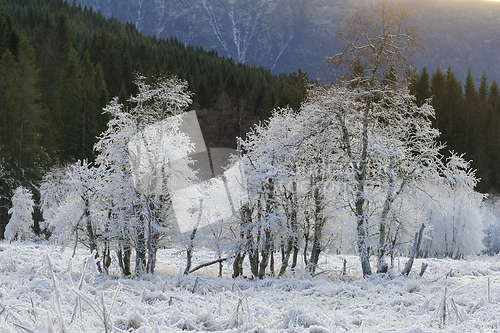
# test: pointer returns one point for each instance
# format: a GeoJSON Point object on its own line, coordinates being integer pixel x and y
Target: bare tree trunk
{"type": "Point", "coordinates": [292, 238]}
{"type": "Point", "coordinates": [265, 253]}
{"type": "Point", "coordinates": [140, 242]}
{"type": "Point", "coordinates": [127, 253]}
{"type": "Point", "coordinates": [360, 197]}
{"type": "Point", "coordinates": [251, 245]}
{"type": "Point", "coordinates": [191, 240]}
{"type": "Point", "coordinates": [271, 263]}
{"type": "Point", "coordinates": [149, 237]}
{"type": "Point", "coordinates": [106, 257]}
{"type": "Point", "coordinates": [416, 246]}
{"type": "Point", "coordinates": [285, 258]}
{"type": "Point", "coordinates": [318, 231]}
{"type": "Point", "coordinates": [90, 231]}
{"type": "Point", "coordinates": [123, 254]}
{"type": "Point", "coordinates": [306, 243]}
{"type": "Point", "coordinates": [152, 259]}
{"type": "Point", "coordinates": [383, 223]}
{"type": "Point", "coordinates": [295, 254]}
{"type": "Point", "coordinates": [189, 251]}
{"type": "Point", "coordinates": [238, 265]}
{"type": "Point", "coordinates": [140, 252]}
{"type": "Point", "coordinates": [245, 215]}
{"type": "Point", "coordinates": [253, 256]}
{"type": "Point", "coordinates": [268, 237]}
{"type": "Point", "coordinates": [119, 255]}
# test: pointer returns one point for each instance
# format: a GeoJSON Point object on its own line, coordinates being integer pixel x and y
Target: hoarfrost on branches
{"type": "Point", "coordinates": [366, 151]}
{"type": "Point", "coordinates": [21, 215]}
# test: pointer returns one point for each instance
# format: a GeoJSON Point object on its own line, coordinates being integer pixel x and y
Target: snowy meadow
{"type": "Point", "coordinates": [307, 229]}
{"type": "Point", "coordinates": [44, 289]}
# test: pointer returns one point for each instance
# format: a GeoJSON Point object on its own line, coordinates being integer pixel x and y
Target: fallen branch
{"type": "Point", "coordinates": [207, 264]}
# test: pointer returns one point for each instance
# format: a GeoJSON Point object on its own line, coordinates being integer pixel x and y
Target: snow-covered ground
{"type": "Point", "coordinates": [43, 290]}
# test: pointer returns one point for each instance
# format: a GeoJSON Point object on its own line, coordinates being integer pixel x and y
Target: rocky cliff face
{"type": "Point", "coordinates": [283, 35]}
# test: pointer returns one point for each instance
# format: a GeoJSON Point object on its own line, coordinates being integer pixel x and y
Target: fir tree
{"type": "Point", "coordinates": [438, 94]}
{"type": "Point", "coordinates": [453, 127]}
{"type": "Point", "coordinates": [422, 89]}
{"type": "Point", "coordinates": [494, 134]}
{"type": "Point", "coordinates": [470, 111]}
{"type": "Point", "coordinates": [30, 157]}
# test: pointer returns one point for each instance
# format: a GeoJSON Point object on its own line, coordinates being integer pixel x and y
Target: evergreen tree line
{"type": "Point", "coordinates": [61, 64]}
{"type": "Point", "coordinates": [468, 119]}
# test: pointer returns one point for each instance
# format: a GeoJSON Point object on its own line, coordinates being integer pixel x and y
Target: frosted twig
{"type": "Point", "coordinates": [93, 305]}
{"type": "Point", "coordinates": [117, 291]}
{"type": "Point", "coordinates": [78, 304]}
{"type": "Point", "coordinates": [104, 314]}
{"type": "Point", "coordinates": [57, 298]}
{"type": "Point", "coordinates": [33, 311]}
{"type": "Point", "coordinates": [459, 315]}
{"type": "Point", "coordinates": [423, 268]}
{"type": "Point", "coordinates": [443, 308]}
{"type": "Point", "coordinates": [22, 327]}
{"type": "Point", "coordinates": [195, 285]}
{"type": "Point", "coordinates": [489, 294]}
{"type": "Point", "coordinates": [170, 301]}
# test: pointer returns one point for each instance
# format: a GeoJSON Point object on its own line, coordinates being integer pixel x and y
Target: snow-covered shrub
{"type": "Point", "coordinates": [54, 189]}
{"type": "Point", "coordinates": [456, 218]}
{"type": "Point", "coordinates": [491, 241]}
{"type": "Point", "coordinates": [21, 219]}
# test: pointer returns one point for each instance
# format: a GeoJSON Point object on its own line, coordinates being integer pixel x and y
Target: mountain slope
{"type": "Point", "coordinates": [283, 35]}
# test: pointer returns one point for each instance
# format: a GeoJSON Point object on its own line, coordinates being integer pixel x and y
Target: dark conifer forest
{"type": "Point", "coordinates": [468, 117]}
{"type": "Point", "coordinates": [61, 64]}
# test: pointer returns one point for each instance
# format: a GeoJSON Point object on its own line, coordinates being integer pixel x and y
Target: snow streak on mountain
{"type": "Point", "coordinates": [283, 35]}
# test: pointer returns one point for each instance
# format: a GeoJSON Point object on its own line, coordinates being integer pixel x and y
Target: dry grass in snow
{"type": "Point", "coordinates": [43, 290]}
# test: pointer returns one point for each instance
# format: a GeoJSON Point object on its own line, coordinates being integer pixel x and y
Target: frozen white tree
{"type": "Point", "coordinates": [54, 189]}
{"type": "Point", "coordinates": [270, 218]}
{"type": "Point", "coordinates": [356, 148]}
{"type": "Point", "coordinates": [121, 199]}
{"type": "Point", "coordinates": [145, 158]}
{"type": "Point", "coordinates": [124, 201]}
{"type": "Point", "coordinates": [21, 215]}
{"type": "Point", "coordinates": [384, 141]}
{"type": "Point", "coordinates": [73, 208]}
